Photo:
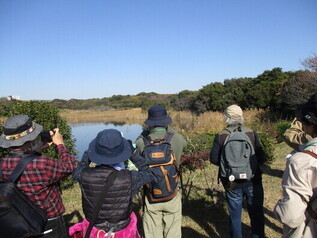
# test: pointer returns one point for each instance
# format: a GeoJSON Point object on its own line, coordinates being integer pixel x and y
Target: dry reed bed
{"type": "Point", "coordinates": [131, 116]}
{"type": "Point", "coordinates": [184, 120]}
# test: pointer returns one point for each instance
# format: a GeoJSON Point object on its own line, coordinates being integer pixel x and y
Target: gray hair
{"type": "Point", "coordinates": [234, 121]}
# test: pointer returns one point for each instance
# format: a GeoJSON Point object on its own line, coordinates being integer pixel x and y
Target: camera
{"type": "Point", "coordinates": [46, 136]}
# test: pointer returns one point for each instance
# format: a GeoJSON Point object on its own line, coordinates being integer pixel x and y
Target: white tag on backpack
{"type": "Point", "coordinates": [243, 176]}
{"type": "Point", "coordinates": [231, 178]}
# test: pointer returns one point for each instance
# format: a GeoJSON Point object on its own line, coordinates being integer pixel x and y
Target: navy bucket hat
{"type": "Point", "coordinates": [157, 116]}
{"type": "Point", "coordinates": [307, 112]}
{"type": "Point", "coordinates": [109, 147]}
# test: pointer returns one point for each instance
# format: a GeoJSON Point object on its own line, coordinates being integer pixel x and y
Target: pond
{"type": "Point", "coordinates": [84, 133]}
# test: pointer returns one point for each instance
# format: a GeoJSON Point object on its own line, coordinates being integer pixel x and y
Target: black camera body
{"type": "Point", "coordinates": [46, 136]}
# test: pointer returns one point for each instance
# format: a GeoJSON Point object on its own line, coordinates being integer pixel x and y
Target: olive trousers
{"type": "Point", "coordinates": [163, 219]}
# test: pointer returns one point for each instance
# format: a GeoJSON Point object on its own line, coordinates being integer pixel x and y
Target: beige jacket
{"type": "Point", "coordinates": [295, 136]}
{"type": "Point", "coordinates": [299, 185]}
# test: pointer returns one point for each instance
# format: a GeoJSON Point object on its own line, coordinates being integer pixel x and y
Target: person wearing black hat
{"type": "Point", "coordinates": [108, 151]}
{"type": "Point", "coordinates": [295, 136]}
{"type": "Point", "coordinates": [40, 179]}
{"type": "Point", "coordinates": [298, 206]}
{"type": "Point", "coordinates": [162, 219]}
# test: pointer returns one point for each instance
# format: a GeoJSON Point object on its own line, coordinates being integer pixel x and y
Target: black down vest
{"type": "Point", "coordinates": [117, 205]}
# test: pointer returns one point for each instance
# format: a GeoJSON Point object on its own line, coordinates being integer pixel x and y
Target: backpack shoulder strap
{"type": "Point", "coordinates": [249, 133]}
{"type": "Point", "coordinates": [18, 170]}
{"type": "Point", "coordinates": [311, 210]}
{"type": "Point", "coordinates": [229, 129]}
{"type": "Point", "coordinates": [310, 153]}
{"type": "Point", "coordinates": [168, 137]}
{"type": "Point", "coordinates": [1, 179]}
{"type": "Point", "coordinates": [146, 140]}
{"type": "Point", "coordinates": [242, 129]}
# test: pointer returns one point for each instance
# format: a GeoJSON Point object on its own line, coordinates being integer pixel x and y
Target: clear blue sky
{"type": "Point", "coordinates": [99, 48]}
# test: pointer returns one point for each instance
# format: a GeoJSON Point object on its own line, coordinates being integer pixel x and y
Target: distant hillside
{"type": "Point", "coordinates": [141, 100]}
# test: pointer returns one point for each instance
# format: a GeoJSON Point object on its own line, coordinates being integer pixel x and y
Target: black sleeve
{"type": "Point", "coordinates": [139, 161]}
{"type": "Point", "coordinates": [215, 151]}
{"type": "Point", "coordinates": [80, 166]}
{"type": "Point", "coordinates": [259, 152]}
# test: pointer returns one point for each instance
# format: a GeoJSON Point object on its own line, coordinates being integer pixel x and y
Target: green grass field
{"type": "Point", "coordinates": [205, 213]}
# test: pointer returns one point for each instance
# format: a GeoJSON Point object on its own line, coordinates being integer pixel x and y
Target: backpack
{"type": "Point", "coordinates": [161, 160]}
{"type": "Point", "coordinates": [19, 216]}
{"type": "Point", "coordinates": [238, 159]}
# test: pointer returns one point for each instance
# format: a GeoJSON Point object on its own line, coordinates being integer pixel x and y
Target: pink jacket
{"type": "Point", "coordinates": [129, 232]}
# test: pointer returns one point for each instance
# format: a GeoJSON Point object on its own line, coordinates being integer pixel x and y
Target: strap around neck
{"type": "Point", "coordinates": [313, 143]}
{"type": "Point", "coordinates": [310, 153]}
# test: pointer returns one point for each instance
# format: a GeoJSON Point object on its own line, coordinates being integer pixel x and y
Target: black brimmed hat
{"type": "Point", "coordinates": [109, 147]}
{"type": "Point", "coordinates": [157, 116]}
{"type": "Point", "coordinates": [17, 130]}
{"type": "Point", "coordinates": [307, 112]}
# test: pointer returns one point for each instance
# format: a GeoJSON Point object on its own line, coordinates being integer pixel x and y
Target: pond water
{"type": "Point", "coordinates": [84, 133]}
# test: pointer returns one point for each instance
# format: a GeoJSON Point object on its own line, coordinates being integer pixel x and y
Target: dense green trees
{"type": "Point", "coordinates": [297, 90]}
{"type": "Point", "coordinates": [261, 92]}
{"type": "Point", "coordinates": [44, 114]}
{"type": "Point", "coordinates": [280, 92]}
{"type": "Point", "coordinates": [265, 91]}
{"type": "Point", "coordinates": [184, 100]}
{"type": "Point", "coordinates": [143, 100]}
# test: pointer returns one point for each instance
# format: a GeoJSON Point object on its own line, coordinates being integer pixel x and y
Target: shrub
{"type": "Point", "coordinates": [197, 150]}
{"type": "Point", "coordinates": [267, 144]}
{"type": "Point", "coordinates": [48, 116]}
{"type": "Point", "coordinates": [281, 127]}
{"type": "Point", "coordinates": [199, 142]}
{"type": "Point", "coordinates": [194, 160]}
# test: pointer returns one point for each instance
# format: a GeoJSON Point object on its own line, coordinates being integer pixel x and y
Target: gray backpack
{"type": "Point", "coordinates": [238, 159]}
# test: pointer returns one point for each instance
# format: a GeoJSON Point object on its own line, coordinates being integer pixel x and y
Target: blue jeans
{"type": "Point", "coordinates": [254, 199]}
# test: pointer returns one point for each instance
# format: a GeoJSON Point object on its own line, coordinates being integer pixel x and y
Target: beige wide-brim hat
{"type": "Point", "coordinates": [19, 129]}
{"type": "Point", "coordinates": [234, 112]}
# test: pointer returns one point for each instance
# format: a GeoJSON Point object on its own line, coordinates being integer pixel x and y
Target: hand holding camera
{"type": "Point", "coordinates": [52, 136]}
{"type": "Point", "coordinates": [57, 137]}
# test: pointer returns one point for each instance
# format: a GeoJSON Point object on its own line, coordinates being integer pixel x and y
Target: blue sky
{"type": "Point", "coordinates": [99, 48]}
